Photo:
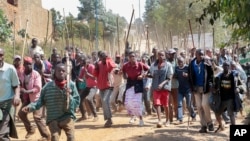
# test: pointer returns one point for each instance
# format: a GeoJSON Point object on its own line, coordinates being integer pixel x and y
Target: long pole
{"type": "Point", "coordinates": [199, 36]}
{"type": "Point", "coordinates": [130, 25]}
{"type": "Point", "coordinates": [213, 42]}
{"type": "Point", "coordinates": [14, 35]}
{"type": "Point", "coordinates": [47, 31]}
{"type": "Point", "coordinates": [25, 37]}
{"type": "Point", "coordinates": [148, 46]}
{"type": "Point", "coordinates": [204, 30]}
{"type": "Point", "coordinates": [191, 31]}
{"type": "Point", "coordinates": [171, 39]}
{"type": "Point", "coordinates": [118, 38]}
{"type": "Point", "coordinates": [66, 27]}
{"type": "Point", "coordinates": [96, 24]}
{"type": "Point", "coordinates": [157, 37]}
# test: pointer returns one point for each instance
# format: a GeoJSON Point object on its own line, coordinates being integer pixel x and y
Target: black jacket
{"type": "Point", "coordinates": [208, 76]}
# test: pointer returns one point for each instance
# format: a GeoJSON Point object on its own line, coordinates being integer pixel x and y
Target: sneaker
{"type": "Point", "coordinates": [81, 119]}
{"type": "Point", "coordinates": [167, 124]}
{"type": "Point", "coordinates": [211, 127]}
{"type": "Point", "coordinates": [159, 124]}
{"type": "Point", "coordinates": [141, 123]}
{"type": "Point", "coordinates": [132, 120]}
{"type": "Point", "coordinates": [203, 129]}
{"type": "Point", "coordinates": [44, 139]}
{"type": "Point", "coordinates": [29, 134]}
{"type": "Point", "coordinates": [180, 122]}
{"type": "Point", "coordinates": [108, 123]}
{"type": "Point", "coordinates": [193, 119]}
{"type": "Point", "coordinates": [95, 119]}
{"type": "Point", "coordinates": [220, 128]}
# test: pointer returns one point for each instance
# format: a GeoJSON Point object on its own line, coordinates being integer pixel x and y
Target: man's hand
{"type": "Point", "coordinates": [26, 109]}
{"type": "Point", "coordinates": [68, 91]}
{"type": "Point", "coordinates": [140, 77]}
{"type": "Point", "coordinates": [160, 86]}
{"type": "Point", "coordinates": [16, 100]}
{"type": "Point", "coordinates": [23, 91]}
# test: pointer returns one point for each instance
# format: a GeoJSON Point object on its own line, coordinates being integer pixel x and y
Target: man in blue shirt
{"type": "Point", "coordinates": [201, 80]}
{"type": "Point", "coordinates": [9, 95]}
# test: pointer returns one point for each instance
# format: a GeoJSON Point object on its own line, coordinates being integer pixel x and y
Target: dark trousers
{"type": "Point", "coordinates": [68, 125]}
{"type": "Point", "coordinates": [83, 96]}
{"type": "Point", "coordinates": [5, 127]}
{"type": "Point", "coordinates": [37, 115]}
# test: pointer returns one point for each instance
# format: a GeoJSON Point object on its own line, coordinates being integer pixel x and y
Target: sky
{"type": "Point", "coordinates": [121, 7]}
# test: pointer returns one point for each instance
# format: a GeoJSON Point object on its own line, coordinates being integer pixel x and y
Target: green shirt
{"type": "Point", "coordinates": [54, 99]}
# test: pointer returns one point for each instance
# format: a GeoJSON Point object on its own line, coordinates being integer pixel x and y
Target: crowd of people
{"type": "Point", "coordinates": [167, 82]}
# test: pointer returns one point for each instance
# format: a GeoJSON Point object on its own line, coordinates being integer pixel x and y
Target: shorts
{"type": "Point", "coordinates": [161, 97]}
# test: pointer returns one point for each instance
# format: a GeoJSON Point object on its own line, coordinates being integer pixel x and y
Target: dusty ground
{"type": "Point", "coordinates": [123, 131]}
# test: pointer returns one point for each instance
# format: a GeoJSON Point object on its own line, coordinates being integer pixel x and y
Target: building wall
{"type": "Point", "coordinates": [32, 11]}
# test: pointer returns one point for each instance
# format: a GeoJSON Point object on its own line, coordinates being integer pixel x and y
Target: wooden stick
{"type": "Point", "coordinates": [66, 27]}
{"type": "Point", "coordinates": [204, 30]}
{"type": "Point", "coordinates": [14, 34]}
{"type": "Point", "coordinates": [25, 37]}
{"type": "Point", "coordinates": [157, 37]}
{"type": "Point", "coordinates": [191, 31]}
{"type": "Point", "coordinates": [213, 43]}
{"type": "Point", "coordinates": [118, 38]}
{"type": "Point", "coordinates": [171, 40]}
{"type": "Point", "coordinates": [130, 25]}
{"type": "Point", "coordinates": [47, 32]}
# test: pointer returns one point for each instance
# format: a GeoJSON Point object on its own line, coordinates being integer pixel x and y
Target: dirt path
{"type": "Point", "coordinates": [122, 130]}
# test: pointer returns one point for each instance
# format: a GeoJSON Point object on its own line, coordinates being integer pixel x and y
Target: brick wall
{"type": "Point", "coordinates": [32, 11]}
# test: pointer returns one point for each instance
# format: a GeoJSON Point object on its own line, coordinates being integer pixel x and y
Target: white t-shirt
{"type": "Point", "coordinates": [35, 50]}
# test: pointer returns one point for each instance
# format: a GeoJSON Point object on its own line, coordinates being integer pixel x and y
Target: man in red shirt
{"type": "Point", "coordinates": [87, 73]}
{"type": "Point", "coordinates": [134, 72]}
{"type": "Point", "coordinates": [103, 73]}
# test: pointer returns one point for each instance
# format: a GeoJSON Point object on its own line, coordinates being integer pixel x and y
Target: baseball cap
{"type": "Point", "coordinates": [171, 51]}
{"type": "Point", "coordinates": [17, 57]}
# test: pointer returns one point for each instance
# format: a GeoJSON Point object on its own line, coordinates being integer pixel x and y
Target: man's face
{"type": "Point", "coordinates": [180, 62]}
{"type": "Point", "coordinates": [117, 60]}
{"type": "Point", "coordinates": [54, 51]}
{"type": "Point", "coordinates": [37, 58]}
{"type": "Point", "coordinates": [161, 56]}
{"type": "Point", "coordinates": [27, 66]}
{"type": "Point", "coordinates": [199, 55]}
{"type": "Point", "coordinates": [225, 67]}
{"type": "Point", "coordinates": [17, 62]}
{"type": "Point", "coordinates": [1, 55]}
{"type": "Point", "coordinates": [132, 57]}
{"type": "Point", "coordinates": [154, 51]}
{"type": "Point", "coordinates": [34, 42]}
{"type": "Point", "coordinates": [60, 73]}
{"type": "Point", "coordinates": [171, 55]}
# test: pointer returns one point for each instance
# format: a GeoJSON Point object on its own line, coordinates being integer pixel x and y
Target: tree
{"type": "Point", "coordinates": [5, 28]}
{"type": "Point", "coordinates": [57, 24]}
{"type": "Point", "coordinates": [235, 14]}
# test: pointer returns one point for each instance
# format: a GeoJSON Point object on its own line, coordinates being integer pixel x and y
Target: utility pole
{"type": "Point", "coordinates": [96, 24]}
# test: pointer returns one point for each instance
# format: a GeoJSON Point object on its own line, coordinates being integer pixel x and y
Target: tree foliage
{"type": "Point", "coordinates": [170, 15]}
{"type": "Point", "coordinates": [235, 14]}
{"type": "Point", "coordinates": [5, 28]}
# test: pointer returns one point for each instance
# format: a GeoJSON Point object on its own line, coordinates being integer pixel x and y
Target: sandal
{"type": "Point", "coordinates": [220, 128]}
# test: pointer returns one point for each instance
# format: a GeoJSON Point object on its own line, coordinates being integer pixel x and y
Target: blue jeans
{"type": "Point", "coordinates": [146, 101]}
{"type": "Point", "coordinates": [190, 107]}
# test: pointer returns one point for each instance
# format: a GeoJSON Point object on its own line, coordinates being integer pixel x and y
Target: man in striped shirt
{"type": "Point", "coordinates": [54, 97]}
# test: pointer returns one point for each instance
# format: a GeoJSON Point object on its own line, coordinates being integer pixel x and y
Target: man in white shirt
{"type": "Point", "coordinates": [34, 49]}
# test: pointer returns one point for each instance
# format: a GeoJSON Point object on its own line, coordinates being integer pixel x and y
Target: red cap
{"type": "Point", "coordinates": [27, 59]}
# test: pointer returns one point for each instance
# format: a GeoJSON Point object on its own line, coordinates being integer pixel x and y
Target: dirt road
{"type": "Point", "coordinates": [123, 131]}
